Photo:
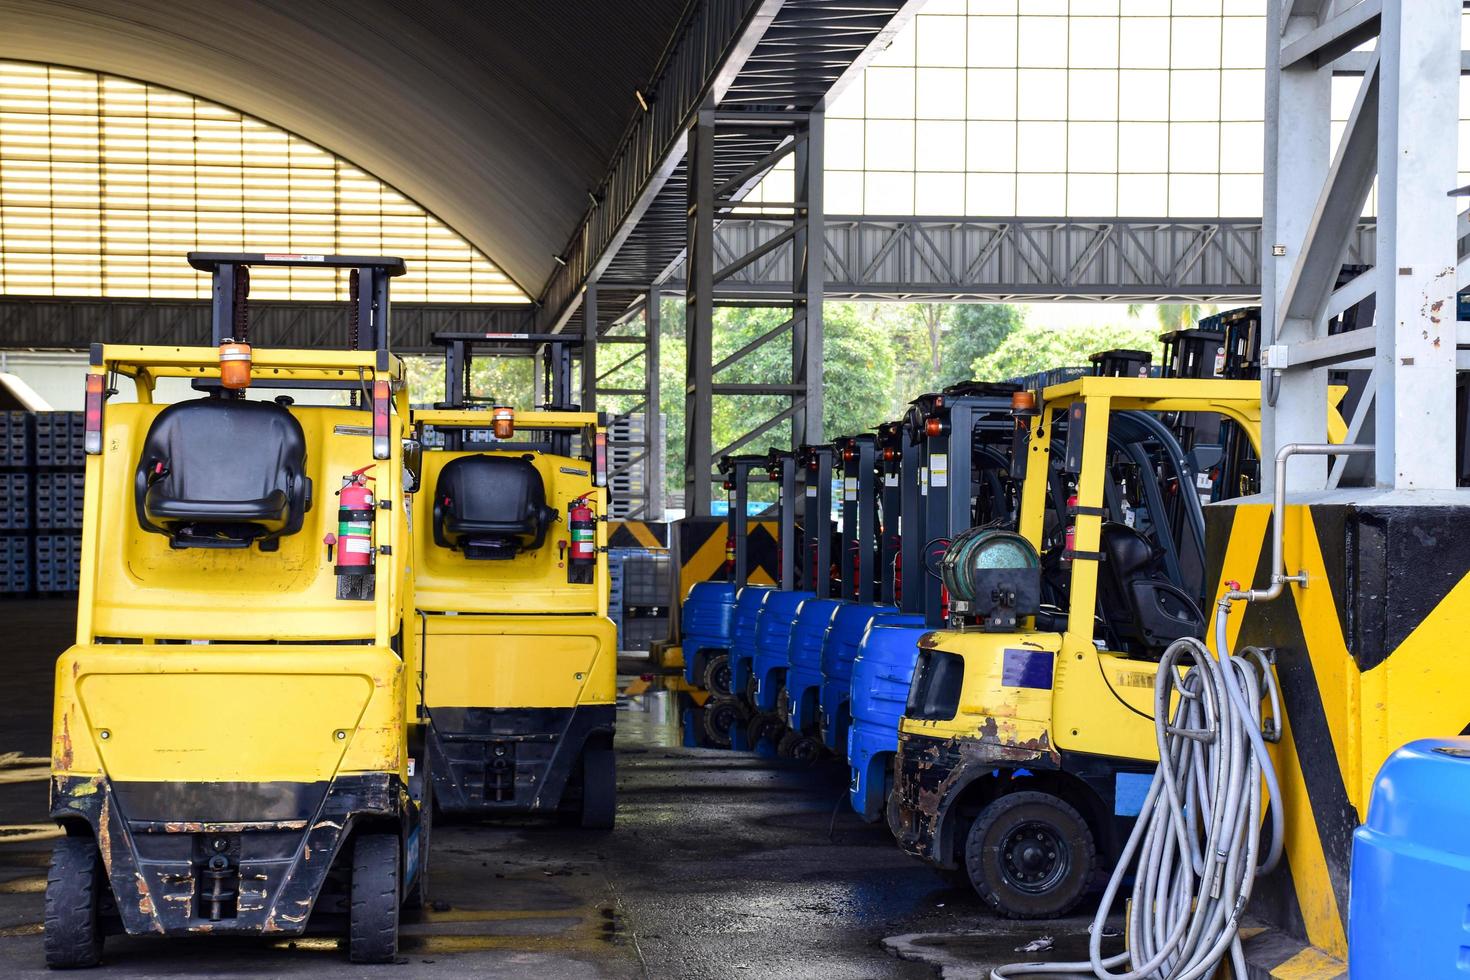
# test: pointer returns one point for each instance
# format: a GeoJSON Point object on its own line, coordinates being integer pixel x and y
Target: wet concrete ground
{"type": "Point", "coordinates": [722, 865]}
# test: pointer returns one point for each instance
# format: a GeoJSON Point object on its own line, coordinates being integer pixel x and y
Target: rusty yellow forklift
{"type": "Point", "coordinates": [1027, 745]}
{"type": "Point", "coordinates": [230, 750]}
{"type": "Point", "coordinates": [515, 655]}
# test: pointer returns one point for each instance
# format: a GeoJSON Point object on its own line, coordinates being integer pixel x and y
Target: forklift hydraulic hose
{"type": "Point", "coordinates": [1188, 893]}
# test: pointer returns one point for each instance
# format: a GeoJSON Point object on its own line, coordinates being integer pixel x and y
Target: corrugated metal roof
{"type": "Point", "coordinates": [497, 117]}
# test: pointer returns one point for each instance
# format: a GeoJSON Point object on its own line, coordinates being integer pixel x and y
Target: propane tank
{"type": "Point", "coordinates": [355, 551]}
{"type": "Point", "coordinates": [582, 556]}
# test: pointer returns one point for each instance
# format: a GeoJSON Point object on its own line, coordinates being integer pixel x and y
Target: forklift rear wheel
{"type": "Point", "coordinates": [717, 675]}
{"type": "Point", "coordinates": [719, 715]}
{"type": "Point", "coordinates": [599, 789]}
{"type": "Point", "coordinates": [372, 923]}
{"type": "Point", "coordinates": [1030, 856]}
{"type": "Point", "coordinates": [74, 887]}
{"type": "Point", "coordinates": [764, 726]}
{"type": "Point", "coordinates": [802, 748]}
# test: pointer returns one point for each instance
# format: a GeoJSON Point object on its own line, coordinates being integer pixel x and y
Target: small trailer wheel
{"type": "Point", "coordinates": [372, 922]}
{"type": "Point", "coordinates": [74, 886]}
{"type": "Point", "coordinates": [1030, 856]}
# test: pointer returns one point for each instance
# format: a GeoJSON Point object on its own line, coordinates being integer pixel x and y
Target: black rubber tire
{"type": "Point", "coordinates": [719, 715]}
{"type": "Point", "coordinates": [1056, 836]}
{"type": "Point", "coordinates": [764, 725]}
{"type": "Point", "coordinates": [800, 748]}
{"type": "Point", "coordinates": [418, 892]}
{"type": "Point", "coordinates": [599, 789]}
{"type": "Point", "coordinates": [372, 922]}
{"type": "Point", "coordinates": [716, 676]}
{"type": "Point", "coordinates": [74, 886]}
{"type": "Point", "coordinates": [783, 705]}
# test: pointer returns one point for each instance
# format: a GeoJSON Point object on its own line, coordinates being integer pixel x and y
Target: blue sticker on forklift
{"type": "Point", "coordinates": [1027, 668]}
{"type": "Point", "coordinates": [1130, 789]}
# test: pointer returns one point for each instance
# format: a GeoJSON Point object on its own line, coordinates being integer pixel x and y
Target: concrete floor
{"type": "Point", "coordinates": [722, 865]}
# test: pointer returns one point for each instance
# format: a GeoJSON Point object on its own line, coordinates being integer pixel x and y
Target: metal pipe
{"type": "Point", "coordinates": [1279, 578]}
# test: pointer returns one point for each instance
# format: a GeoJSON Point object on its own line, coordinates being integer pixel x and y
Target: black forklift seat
{"type": "Point", "coordinates": [223, 473]}
{"type": "Point", "coordinates": [1141, 604]}
{"type": "Point", "coordinates": [491, 507]}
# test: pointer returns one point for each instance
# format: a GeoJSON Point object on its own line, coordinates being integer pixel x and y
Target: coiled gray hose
{"type": "Point", "coordinates": [1198, 837]}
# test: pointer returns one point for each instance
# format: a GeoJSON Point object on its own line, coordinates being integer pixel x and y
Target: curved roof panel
{"type": "Point", "coordinates": [497, 117]}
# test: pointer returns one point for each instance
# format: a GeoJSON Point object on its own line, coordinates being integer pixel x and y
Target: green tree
{"type": "Point", "coordinates": [858, 374]}
{"type": "Point", "coordinates": [1174, 316]}
{"type": "Point", "coordinates": [975, 331]}
{"type": "Point", "coordinates": [1036, 348]}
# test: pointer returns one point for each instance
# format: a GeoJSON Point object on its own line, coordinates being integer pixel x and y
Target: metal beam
{"type": "Point", "coordinates": [711, 48]}
{"type": "Point", "coordinates": [958, 259]}
{"type": "Point", "coordinates": [74, 323]}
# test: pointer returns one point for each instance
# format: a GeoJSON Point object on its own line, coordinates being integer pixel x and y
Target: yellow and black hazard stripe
{"type": "Point", "coordinates": [701, 551]}
{"type": "Point", "coordinates": [637, 534]}
{"type": "Point", "coordinates": [1271, 953]}
{"type": "Point", "coordinates": [1363, 656]}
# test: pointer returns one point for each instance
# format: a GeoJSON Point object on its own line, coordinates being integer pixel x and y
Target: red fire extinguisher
{"type": "Point", "coordinates": [1071, 535]}
{"type": "Point", "coordinates": [355, 524]}
{"type": "Point", "coordinates": [583, 526]}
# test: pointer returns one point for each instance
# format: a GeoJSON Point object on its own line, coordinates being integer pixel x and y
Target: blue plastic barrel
{"type": "Point", "coordinates": [742, 634]}
{"type": "Point", "coordinates": [837, 655]}
{"type": "Point", "coordinates": [706, 623]}
{"type": "Point", "coordinates": [804, 657]}
{"type": "Point", "coordinates": [1409, 908]}
{"type": "Point", "coordinates": [881, 672]}
{"type": "Point", "coordinates": [772, 638]}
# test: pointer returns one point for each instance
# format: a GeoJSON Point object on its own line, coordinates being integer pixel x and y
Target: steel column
{"type": "Point", "coordinates": [653, 429]}
{"type": "Point", "coordinates": [807, 246]}
{"type": "Point", "coordinates": [699, 312]}
{"type": "Point", "coordinates": [1419, 51]}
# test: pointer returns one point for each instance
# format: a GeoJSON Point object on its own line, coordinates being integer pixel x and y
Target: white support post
{"type": "Point", "coordinates": [1419, 51]}
{"type": "Point", "coordinates": [1297, 159]}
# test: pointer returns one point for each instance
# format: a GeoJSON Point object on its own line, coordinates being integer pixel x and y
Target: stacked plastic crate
{"type": "Point", "coordinates": [646, 578]}
{"type": "Point", "coordinates": [57, 493]}
{"type": "Point", "coordinates": [17, 448]}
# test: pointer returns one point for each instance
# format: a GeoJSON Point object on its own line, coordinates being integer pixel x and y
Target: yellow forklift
{"type": "Point", "coordinates": [515, 656]}
{"type": "Point", "coordinates": [230, 746]}
{"type": "Point", "coordinates": [1027, 745]}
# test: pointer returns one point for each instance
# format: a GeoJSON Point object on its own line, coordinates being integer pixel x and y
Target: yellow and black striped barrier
{"type": "Point", "coordinates": [701, 551]}
{"type": "Point", "coordinates": [638, 534]}
{"type": "Point", "coordinates": [1367, 655]}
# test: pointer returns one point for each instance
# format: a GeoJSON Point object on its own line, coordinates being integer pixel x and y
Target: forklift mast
{"type": "Point", "coordinates": [859, 517]}
{"type": "Point", "coordinates": [899, 463]}
{"type": "Point", "coordinates": [736, 471]}
{"type": "Point", "coordinates": [781, 470]}
{"type": "Point", "coordinates": [555, 351]}
{"type": "Point", "coordinates": [816, 464]}
{"type": "Point", "coordinates": [367, 318]}
{"type": "Point", "coordinates": [957, 429]}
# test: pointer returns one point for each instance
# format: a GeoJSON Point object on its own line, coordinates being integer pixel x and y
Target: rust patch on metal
{"type": "Point", "coordinates": [929, 641]}
{"type": "Point", "coordinates": [65, 756]}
